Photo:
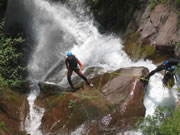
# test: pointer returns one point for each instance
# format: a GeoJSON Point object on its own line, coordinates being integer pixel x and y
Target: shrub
{"type": "Point", "coordinates": [11, 70]}
{"type": "Point", "coordinates": [163, 122]}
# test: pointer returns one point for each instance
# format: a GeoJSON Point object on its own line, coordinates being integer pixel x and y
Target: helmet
{"type": "Point", "coordinates": [69, 53]}
{"type": "Point", "coordinates": [165, 62]}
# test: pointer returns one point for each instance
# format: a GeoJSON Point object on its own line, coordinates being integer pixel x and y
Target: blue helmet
{"type": "Point", "coordinates": [69, 53]}
{"type": "Point", "coordinates": [165, 62]}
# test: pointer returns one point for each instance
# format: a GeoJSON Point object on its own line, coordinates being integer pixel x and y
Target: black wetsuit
{"type": "Point", "coordinates": [72, 65]}
{"type": "Point", "coordinates": [171, 62]}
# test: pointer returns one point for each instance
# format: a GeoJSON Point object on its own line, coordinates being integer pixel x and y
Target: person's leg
{"type": "Point", "coordinates": [78, 71]}
{"type": "Point", "coordinates": [69, 73]}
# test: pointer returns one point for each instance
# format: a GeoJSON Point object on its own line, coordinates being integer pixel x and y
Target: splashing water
{"type": "Point", "coordinates": [58, 28]}
{"type": "Point", "coordinates": [33, 120]}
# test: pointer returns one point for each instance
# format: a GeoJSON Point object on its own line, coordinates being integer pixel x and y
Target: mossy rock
{"type": "Point", "coordinates": [74, 109]}
{"type": "Point", "coordinates": [11, 105]}
{"type": "Point", "coordinates": [142, 49]}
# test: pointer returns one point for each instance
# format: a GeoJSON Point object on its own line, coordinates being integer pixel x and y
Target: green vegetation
{"type": "Point", "coordinates": [11, 70]}
{"type": "Point", "coordinates": [178, 69]}
{"type": "Point", "coordinates": [163, 122]}
{"type": "Point", "coordinates": [153, 4]}
{"type": "Point", "coordinates": [177, 2]}
{"type": "Point", "coordinates": [2, 126]}
{"type": "Point", "coordinates": [156, 2]}
{"type": "Point", "coordinates": [71, 104]}
{"type": "Point", "coordinates": [178, 44]}
{"type": "Point", "coordinates": [163, 1]}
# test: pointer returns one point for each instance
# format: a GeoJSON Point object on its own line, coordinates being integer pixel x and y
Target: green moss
{"type": "Point", "coordinates": [51, 104]}
{"type": "Point", "coordinates": [142, 49]}
{"type": "Point", "coordinates": [137, 50]}
{"type": "Point", "coordinates": [163, 1]}
{"type": "Point", "coordinates": [71, 104]}
{"type": "Point", "coordinates": [156, 2]}
{"type": "Point", "coordinates": [3, 127]}
{"type": "Point", "coordinates": [177, 2]}
{"type": "Point", "coordinates": [178, 44]}
{"type": "Point", "coordinates": [178, 22]}
{"type": "Point", "coordinates": [153, 4]}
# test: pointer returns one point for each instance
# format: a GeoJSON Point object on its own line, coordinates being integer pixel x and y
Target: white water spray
{"type": "Point", "coordinates": [58, 29]}
{"type": "Point", "coordinates": [34, 117]}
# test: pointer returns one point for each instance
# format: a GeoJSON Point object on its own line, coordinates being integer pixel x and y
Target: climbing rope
{"type": "Point", "coordinates": [170, 82]}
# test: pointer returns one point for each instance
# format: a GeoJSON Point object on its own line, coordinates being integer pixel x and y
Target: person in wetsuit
{"type": "Point", "coordinates": [72, 65]}
{"type": "Point", "coordinates": [169, 65]}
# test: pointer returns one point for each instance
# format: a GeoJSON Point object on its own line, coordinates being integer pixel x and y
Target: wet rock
{"type": "Point", "coordinates": [112, 105]}
{"type": "Point", "coordinates": [49, 89]}
{"type": "Point", "coordinates": [157, 28]}
{"type": "Point", "coordinates": [160, 28]}
{"type": "Point", "coordinates": [113, 15]}
{"type": "Point", "coordinates": [13, 111]}
{"type": "Point", "coordinates": [124, 85]}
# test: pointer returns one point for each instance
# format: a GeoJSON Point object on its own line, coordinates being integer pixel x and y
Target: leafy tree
{"type": "Point", "coordinates": [163, 122]}
{"type": "Point", "coordinates": [11, 70]}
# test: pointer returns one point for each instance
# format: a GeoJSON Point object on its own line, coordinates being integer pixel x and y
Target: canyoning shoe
{"type": "Point", "coordinates": [73, 89]}
{"type": "Point", "coordinates": [91, 85]}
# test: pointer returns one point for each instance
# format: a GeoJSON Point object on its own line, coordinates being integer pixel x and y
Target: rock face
{"type": "Point", "coordinates": [111, 106]}
{"type": "Point", "coordinates": [150, 28]}
{"type": "Point", "coordinates": [156, 27]}
{"type": "Point", "coordinates": [160, 27]}
{"type": "Point", "coordinates": [113, 15]}
{"type": "Point", "coordinates": [12, 112]}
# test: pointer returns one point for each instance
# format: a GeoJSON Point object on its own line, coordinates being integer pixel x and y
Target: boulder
{"type": "Point", "coordinates": [111, 106]}
{"type": "Point", "coordinates": [13, 111]}
{"type": "Point", "coordinates": [49, 89]}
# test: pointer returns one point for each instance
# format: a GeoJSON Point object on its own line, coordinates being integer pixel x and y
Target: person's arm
{"type": "Point", "coordinates": [66, 62]}
{"type": "Point", "coordinates": [159, 68]}
{"type": "Point", "coordinates": [80, 64]}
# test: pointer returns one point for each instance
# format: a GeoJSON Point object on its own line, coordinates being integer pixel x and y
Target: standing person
{"type": "Point", "coordinates": [169, 66]}
{"type": "Point", "coordinates": [72, 65]}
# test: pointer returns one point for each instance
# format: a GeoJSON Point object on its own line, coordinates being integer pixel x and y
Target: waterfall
{"type": "Point", "coordinates": [57, 28]}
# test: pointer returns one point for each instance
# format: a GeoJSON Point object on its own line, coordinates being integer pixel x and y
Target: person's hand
{"type": "Point", "coordinates": [82, 67]}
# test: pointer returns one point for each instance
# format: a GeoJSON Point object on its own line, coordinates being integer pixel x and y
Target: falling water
{"type": "Point", "coordinates": [58, 28]}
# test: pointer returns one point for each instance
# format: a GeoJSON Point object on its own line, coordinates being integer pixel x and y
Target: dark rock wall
{"type": "Point", "coordinates": [3, 5]}
{"type": "Point", "coordinates": [114, 15]}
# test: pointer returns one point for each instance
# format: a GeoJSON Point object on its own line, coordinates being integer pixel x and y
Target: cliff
{"type": "Point", "coordinates": [150, 28]}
